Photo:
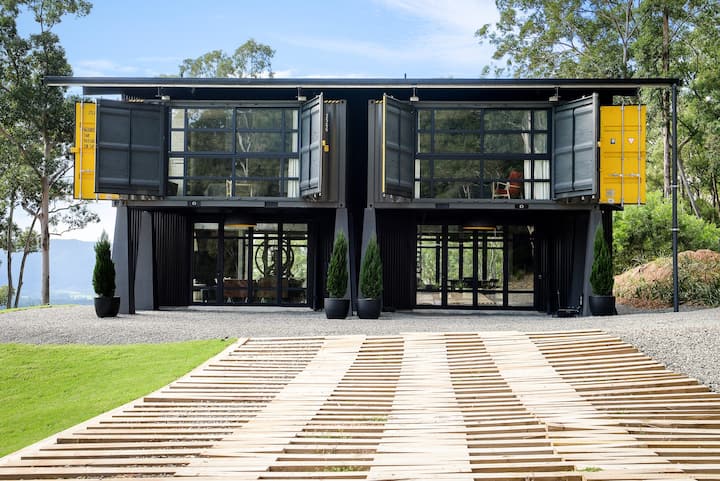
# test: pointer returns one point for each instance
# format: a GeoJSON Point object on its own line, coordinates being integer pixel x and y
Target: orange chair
{"type": "Point", "coordinates": [510, 189]}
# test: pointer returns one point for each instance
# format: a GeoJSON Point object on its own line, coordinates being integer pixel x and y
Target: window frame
{"type": "Point", "coordinates": [289, 139]}
{"type": "Point", "coordinates": [432, 156]}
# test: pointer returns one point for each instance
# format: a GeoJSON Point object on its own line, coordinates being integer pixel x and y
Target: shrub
{"type": "Point", "coordinates": [651, 284]}
{"type": "Point", "coordinates": [601, 277]}
{"type": "Point", "coordinates": [371, 271]}
{"type": "Point", "coordinates": [104, 272]}
{"type": "Point", "coordinates": [643, 233]}
{"type": "Point", "coordinates": [337, 269]}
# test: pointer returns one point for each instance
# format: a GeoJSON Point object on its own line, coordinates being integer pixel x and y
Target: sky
{"type": "Point", "coordinates": [315, 38]}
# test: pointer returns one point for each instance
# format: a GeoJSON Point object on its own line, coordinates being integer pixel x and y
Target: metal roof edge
{"type": "Point", "coordinates": [434, 83]}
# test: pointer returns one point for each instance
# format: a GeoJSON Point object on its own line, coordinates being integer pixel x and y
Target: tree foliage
{"type": "Point", "coordinates": [104, 271]}
{"type": "Point", "coordinates": [629, 38]}
{"type": "Point", "coordinates": [337, 274]}
{"type": "Point", "coordinates": [36, 120]}
{"type": "Point", "coordinates": [643, 233]}
{"type": "Point", "coordinates": [371, 275]}
{"type": "Point", "coordinates": [251, 59]}
{"type": "Point", "coordinates": [601, 276]}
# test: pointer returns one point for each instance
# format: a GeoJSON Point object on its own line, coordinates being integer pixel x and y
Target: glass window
{"type": "Point", "coordinates": [199, 141]}
{"type": "Point", "coordinates": [209, 118]}
{"type": "Point", "coordinates": [177, 118]}
{"type": "Point", "coordinates": [481, 153]}
{"type": "Point", "coordinates": [176, 167]}
{"type": "Point", "coordinates": [209, 167]}
{"type": "Point", "coordinates": [507, 119]}
{"type": "Point", "coordinates": [210, 149]}
{"type": "Point", "coordinates": [177, 141]}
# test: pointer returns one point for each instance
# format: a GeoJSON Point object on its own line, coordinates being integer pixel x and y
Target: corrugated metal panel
{"type": "Point", "coordinates": [561, 257]}
{"type": "Point", "coordinates": [575, 149]}
{"type": "Point", "coordinates": [622, 154]}
{"type": "Point", "coordinates": [397, 239]}
{"type": "Point", "coordinates": [172, 258]}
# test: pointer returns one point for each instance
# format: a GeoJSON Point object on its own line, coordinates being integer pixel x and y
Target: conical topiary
{"type": "Point", "coordinates": [601, 277]}
{"type": "Point", "coordinates": [104, 272]}
{"type": "Point", "coordinates": [337, 269]}
{"type": "Point", "coordinates": [371, 275]}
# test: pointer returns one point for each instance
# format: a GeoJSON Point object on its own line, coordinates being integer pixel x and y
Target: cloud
{"type": "Point", "coordinates": [442, 40]}
{"type": "Point", "coordinates": [102, 68]}
{"type": "Point", "coordinates": [461, 16]}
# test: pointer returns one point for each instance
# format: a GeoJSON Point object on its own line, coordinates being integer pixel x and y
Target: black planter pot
{"type": "Point", "coordinates": [107, 306]}
{"type": "Point", "coordinates": [369, 308]}
{"type": "Point", "coordinates": [336, 308]}
{"type": "Point", "coordinates": [602, 305]}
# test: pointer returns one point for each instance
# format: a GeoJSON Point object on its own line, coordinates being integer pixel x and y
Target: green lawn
{"type": "Point", "coordinates": [46, 389]}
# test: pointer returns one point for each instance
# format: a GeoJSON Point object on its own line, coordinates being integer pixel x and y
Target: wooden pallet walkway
{"type": "Point", "coordinates": [507, 406]}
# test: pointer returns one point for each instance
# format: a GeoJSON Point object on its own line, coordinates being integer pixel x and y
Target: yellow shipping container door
{"type": "Point", "coordinates": [84, 152]}
{"type": "Point", "coordinates": [622, 154]}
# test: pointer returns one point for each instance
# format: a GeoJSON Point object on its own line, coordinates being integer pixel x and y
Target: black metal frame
{"type": "Point", "coordinates": [233, 155]}
{"type": "Point", "coordinates": [219, 267]}
{"type": "Point", "coordinates": [479, 271]}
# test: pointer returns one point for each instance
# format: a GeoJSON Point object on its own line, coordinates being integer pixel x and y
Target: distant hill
{"type": "Point", "coordinates": [71, 266]}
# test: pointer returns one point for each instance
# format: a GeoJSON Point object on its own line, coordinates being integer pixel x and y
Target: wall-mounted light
{"type": "Point", "coordinates": [555, 97]}
{"type": "Point", "coordinates": [414, 97]}
{"type": "Point", "coordinates": [300, 97]}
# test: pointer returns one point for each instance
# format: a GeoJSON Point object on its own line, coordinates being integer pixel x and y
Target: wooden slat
{"type": "Point", "coordinates": [552, 406]}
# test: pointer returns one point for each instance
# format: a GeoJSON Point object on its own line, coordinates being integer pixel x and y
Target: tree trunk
{"type": "Point", "coordinates": [26, 252]}
{"type": "Point", "coordinates": [45, 240]}
{"type": "Point", "coordinates": [8, 251]}
{"type": "Point", "coordinates": [666, 102]}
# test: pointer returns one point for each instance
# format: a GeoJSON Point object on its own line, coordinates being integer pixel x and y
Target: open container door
{"type": "Point", "coordinates": [575, 166]}
{"type": "Point", "coordinates": [313, 144]}
{"type": "Point", "coordinates": [399, 135]}
{"type": "Point", "coordinates": [622, 154]}
{"type": "Point", "coordinates": [130, 154]}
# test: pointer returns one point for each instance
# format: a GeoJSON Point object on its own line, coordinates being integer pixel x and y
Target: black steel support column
{"type": "Point", "coordinates": [674, 187]}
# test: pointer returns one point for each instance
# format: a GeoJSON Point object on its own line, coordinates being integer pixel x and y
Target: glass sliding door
{"type": "Point", "coordinates": [236, 267]}
{"type": "Point", "coordinates": [474, 266]}
{"type": "Point", "coordinates": [264, 263]}
{"type": "Point", "coordinates": [521, 266]}
{"type": "Point", "coordinates": [206, 237]}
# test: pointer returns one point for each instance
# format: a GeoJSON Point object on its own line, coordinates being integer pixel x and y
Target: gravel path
{"type": "Point", "coordinates": [687, 342]}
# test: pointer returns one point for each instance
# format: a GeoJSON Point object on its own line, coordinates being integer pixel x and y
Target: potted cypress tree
{"type": "Point", "coordinates": [106, 303]}
{"type": "Point", "coordinates": [369, 301]}
{"type": "Point", "coordinates": [336, 304]}
{"type": "Point", "coordinates": [602, 302]}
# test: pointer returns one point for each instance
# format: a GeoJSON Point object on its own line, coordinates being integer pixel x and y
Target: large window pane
{"type": "Point", "coordinates": [541, 119]}
{"type": "Point", "coordinates": [507, 144]}
{"type": "Point", "coordinates": [507, 120]}
{"type": "Point", "coordinates": [457, 143]}
{"type": "Point", "coordinates": [199, 141]}
{"type": "Point", "coordinates": [457, 169]}
{"type": "Point", "coordinates": [206, 188]}
{"type": "Point", "coordinates": [458, 120]}
{"type": "Point", "coordinates": [265, 142]}
{"type": "Point", "coordinates": [209, 118]}
{"type": "Point", "coordinates": [209, 167]}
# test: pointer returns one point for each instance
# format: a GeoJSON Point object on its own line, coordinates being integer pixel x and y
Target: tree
{"type": "Point", "coordinates": [564, 38]}
{"type": "Point", "coordinates": [601, 38]}
{"type": "Point", "coordinates": [36, 119]}
{"type": "Point", "coordinates": [642, 233]}
{"type": "Point", "coordinates": [601, 276]}
{"type": "Point", "coordinates": [251, 59]}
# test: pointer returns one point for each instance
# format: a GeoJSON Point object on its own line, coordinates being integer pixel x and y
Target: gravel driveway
{"type": "Point", "coordinates": [687, 342]}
